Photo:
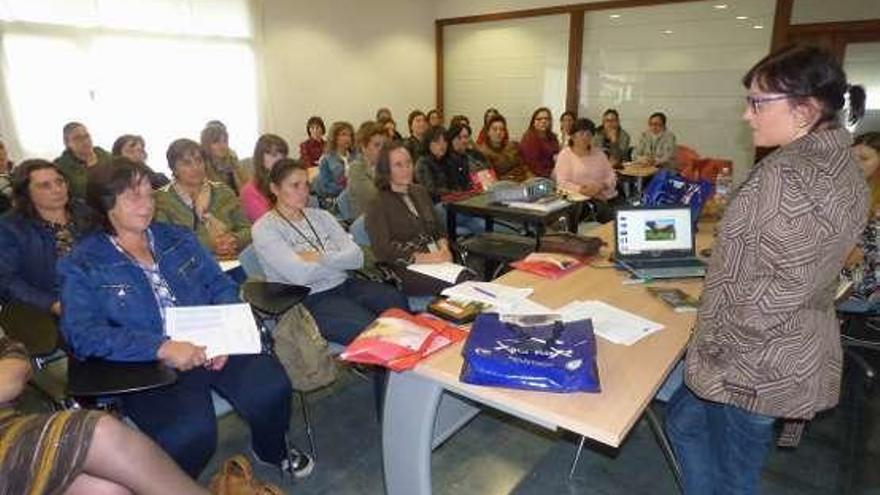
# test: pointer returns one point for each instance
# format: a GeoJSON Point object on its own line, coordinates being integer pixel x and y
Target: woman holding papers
{"type": "Point", "coordinates": [307, 246]}
{"type": "Point", "coordinates": [766, 345]}
{"type": "Point", "coordinates": [403, 226]}
{"type": "Point", "coordinates": [116, 285]}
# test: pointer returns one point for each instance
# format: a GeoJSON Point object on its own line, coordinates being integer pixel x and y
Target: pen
{"type": "Point", "coordinates": [484, 291]}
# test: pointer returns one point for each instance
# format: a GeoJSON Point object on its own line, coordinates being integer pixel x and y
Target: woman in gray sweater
{"type": "Point", "coordinates": [307, 246]}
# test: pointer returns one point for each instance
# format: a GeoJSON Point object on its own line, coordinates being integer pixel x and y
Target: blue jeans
{"type": "Point", "coordinates": [721, 448]}
{"type": "Point", "coordinates": [180, 417]}
{"type": "Point", "coordinates": [344, 311]}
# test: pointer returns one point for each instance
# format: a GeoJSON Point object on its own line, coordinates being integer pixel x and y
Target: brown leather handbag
{"type": "Point", "coordinates": [568, 243]}
{"type": "Point", "coordinates": [236, 477]}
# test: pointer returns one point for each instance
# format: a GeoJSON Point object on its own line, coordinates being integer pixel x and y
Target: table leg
{"type": "Point", "coordinates": [417, 418]}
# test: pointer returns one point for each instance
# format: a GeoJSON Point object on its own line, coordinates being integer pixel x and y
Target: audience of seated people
{"type": "Point", "coordinates": [503, 156]}
{"type": "Point", "coordinates": [307, 246]}
{"type": "Point", "coordinates": [334, 163]}
{"type": "Point", "coordinates": [539, 145]}
{"type": "Point", "coordinates": [566, 121]}
{"type": "Point", "coordinates": [41, 229]}
{"type": "Point", "coordinates": [116, 286]}
{"type": "Point", "coordinates": [5, 179]}
{"type": "Point", "coordinates": [612, 139]}
{"type": "Point", "coordinates": [371, 136]}
{"type": "Point", "coordinates": [584, 169]}
{"type": "Point", "coordinates": [79, 155]}
{"type": "Point", "coordinates": [86, 453]}
{"type": "Point", "coordinates": [115, 283]}
{"type": "Point", "coordinates": [418, 126]}
{"type": "Point", "coordinates": [312, 148]}
{"type": "Point", "coordinates": [657, 144]}
{"type": "Point", "coordinates": [256, 194]}
{"type": "Point", "coordinates": [133, 147]}
{"type": "Point", "coordinates": [221, 163]}
{"type": "Point", "coordinates": [402, 223]}
{"type": "Point", "coordinates": [210, 209]}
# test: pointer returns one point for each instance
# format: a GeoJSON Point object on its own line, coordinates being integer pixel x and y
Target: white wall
{"type": "Point", "coordinates": [515, 66]}
{"type": "Point", "coordinates": [342, 60]}
{"type": "Point", "coordinates": [810, 11]}
{"type": "Point", "coordinates": [691, 73]}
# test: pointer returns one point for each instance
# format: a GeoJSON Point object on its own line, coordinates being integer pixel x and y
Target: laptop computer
{"type": "Point", "coordinates": [657, 242]}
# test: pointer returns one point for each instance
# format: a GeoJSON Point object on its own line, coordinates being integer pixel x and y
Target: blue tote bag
{"type": "Point", "coordinates": [552, 357]}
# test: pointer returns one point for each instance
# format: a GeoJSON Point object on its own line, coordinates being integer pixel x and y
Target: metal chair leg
{"type": "Point", "coordinates": [665, 446]}
{"type": "Point", "coordinates": [308, 421]}
{"type": "Point", "coordinates": [577, 457]}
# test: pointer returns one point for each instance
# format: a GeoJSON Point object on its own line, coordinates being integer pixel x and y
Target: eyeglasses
{"type": "Point", "coordinates": [756, 102]}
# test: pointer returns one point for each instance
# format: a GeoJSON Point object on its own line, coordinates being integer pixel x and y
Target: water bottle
{"type": "Point", "coordinates": [723, 184]}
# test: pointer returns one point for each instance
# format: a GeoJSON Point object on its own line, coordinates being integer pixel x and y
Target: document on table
{"type": "Point", "coordinates": [609, 322]}
{"type": "Point", "coordinates": [501, 298]}
{"type": "Point", "coordinates": [540, 205]}
{"type": "Point", "coordinates": [447, 272]}
{"type": "Point", "coordinates": [223, 329]}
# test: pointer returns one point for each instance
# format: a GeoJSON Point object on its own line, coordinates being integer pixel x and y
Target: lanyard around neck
{"type": "Point", "coordinates": [317, 247]}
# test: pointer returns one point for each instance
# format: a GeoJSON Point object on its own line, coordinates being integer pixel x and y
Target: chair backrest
{"type": "Point", "coordinates": [35, 328]}
{"type": "Point", "coordinates": [251, 263]}
{"type": "Point", "coordinates": [358, 231]}
{"type": "Point", "coordinates": [344, 205]}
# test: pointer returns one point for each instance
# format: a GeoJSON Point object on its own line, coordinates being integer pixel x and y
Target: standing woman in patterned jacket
{"type": "Point", "coordinates": [766, 344]}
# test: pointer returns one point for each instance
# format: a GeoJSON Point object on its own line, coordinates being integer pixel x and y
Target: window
{"type": "Point", "coordinates": [158, 68]}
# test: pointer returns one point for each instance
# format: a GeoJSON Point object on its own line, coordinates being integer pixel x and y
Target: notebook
{"type": "Point", "coordinates": [656, 242]}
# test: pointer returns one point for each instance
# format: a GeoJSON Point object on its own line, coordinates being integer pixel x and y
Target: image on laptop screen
{"type": "Point", "coordinates": [653, 230]}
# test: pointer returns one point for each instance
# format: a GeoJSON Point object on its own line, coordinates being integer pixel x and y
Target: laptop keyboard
{"type": "Point", "coordinates": [671, 272]}
{"type": "Point", "coordinates": [669, 262]}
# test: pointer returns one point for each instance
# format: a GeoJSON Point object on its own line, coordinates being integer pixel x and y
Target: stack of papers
{"type": "Point", "coordinates": [447, 272]}
{"type": "Point", "coordinates": [501, 298]}
{"type": "Point", "coordinates": [609, 322]}
{"type": "Point", "coordinates": [540, 205]}
{"type": "Point", "coordinates": [224, 329]}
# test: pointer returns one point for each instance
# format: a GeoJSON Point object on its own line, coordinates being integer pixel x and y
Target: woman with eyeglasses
{"type": "Point", "coordinates": [612, 139]}
{"type": "Point", "coordinates": [766, 345]}
{"type": "Point", "coordinates": [657, 144]}
{"type": "Point", "coordinates": [539, 145]}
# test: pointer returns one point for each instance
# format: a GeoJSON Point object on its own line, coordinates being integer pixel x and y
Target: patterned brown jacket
{"type": "Point", "coordinates": [766, 336]}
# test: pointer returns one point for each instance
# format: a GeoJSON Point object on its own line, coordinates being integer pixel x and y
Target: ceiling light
{"type": "Point", "coordinates": [614, 16]}
{"type": "Point", "coordinates": [720, 6]}
{"type": "Point", "coordinates": [742, 17]}
{"type": "Point", "coordinates": [667, 31]}
{"type": "Point", "coordinates": [757, 26]}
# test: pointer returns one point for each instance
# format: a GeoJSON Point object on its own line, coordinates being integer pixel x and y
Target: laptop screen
{"type": "Point", "coordinates": [654, 232]}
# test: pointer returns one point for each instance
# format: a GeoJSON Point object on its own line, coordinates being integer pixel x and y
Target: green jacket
{"type": "Point", "coordinates": [75, 170]}
{"type": "Point", "coordinates": [224, 206]}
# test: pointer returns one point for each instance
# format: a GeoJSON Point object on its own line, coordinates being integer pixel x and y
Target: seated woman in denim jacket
{"type": "Point", "coordinates": [333, 166]}
{"type": "Point", "coordinates": [116, 285]}
{"type": "Point", "coordinates": [307, 246]}
{"type": "Point", "coordinates": [40, 230]}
